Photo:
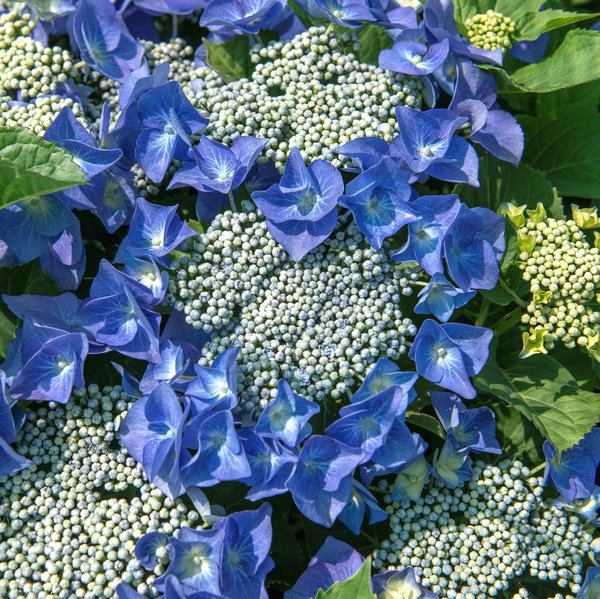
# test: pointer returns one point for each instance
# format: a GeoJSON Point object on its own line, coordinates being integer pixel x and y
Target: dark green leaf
{"type": "Point", "coordinates": [427, 422]}
{"type": "Point", "coordinates": [531, 25]}
{"type": "Point", "coordinates": [231, 59]}
{"type": "Point", "coordinates": [581, 95]}
{"type": "Point", "coordinates": [567, 149]}
{"type": "Point", "coordinates": [517, 435]}
{"type": "Point", "coordinates": [355, 587]}
{"type": "Point", "coordinates": [574, 62]}
{"type": "Point", "coordinates": [31, 167]}
{"type": "Point", "coordinates": [373, 39]}
{"type": "Point", "coordinates": [502, 182]}
{"type": "Point", "coordinates": [546, 393]}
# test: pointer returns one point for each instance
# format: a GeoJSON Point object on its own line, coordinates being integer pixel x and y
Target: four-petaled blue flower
{"type": "Point", "coordinates": [232, 17]}
{"type": "Point", "coordinates": [379, 200]}
{"type": "Point", "coordinates": [440, 298]}
{"type": "Point", "coordinates": [286, 417]}
{"type": "Point", "coordinates": [322, 482]}
{"type": "Point", "coordinates": [449, 354]}
{"type": "Point", "coordinates": [399, 583]}
{"type": "Point", "coordinates": [452, 465]}
{"type": "Point", "coordinates": [167, 120]}
{"type": "Point", "coordinates": [152, 433]}
{"type": "Point", "coordinates": [428, 145]}
{"type": "Point", "coordinates": [301, 210]}
{"type": "Point", "coordinates": [472, 428]}
{"type": "Point", "coordinates": [346, 13]}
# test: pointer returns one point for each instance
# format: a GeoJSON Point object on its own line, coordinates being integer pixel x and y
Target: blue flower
{"type": "Point", "coordinates": [346, 13]}
{"type": "Point", "coordinates": [591, 585]}
{"type": "Point", "coordinates": [573, 472]}
{"type": "Point", "coordinates": [118, 314]}
{"type": "Point", "coordinates": [168, 119]}
{"type": "Point", "coordinates": [428, 145]}
{"type": "Point", "coordinates": [449, 354]}
{"type": "Point", "coordinates": [383, 375]}
{"type": "Point", "coordinates": [231, 17]}
{"type": "Point", "coordinates": [214, 387]}
{"type": "Point", "coordinates": [286, 417]}
{"type": "Point", "coordinates": [410, 481]}
{"type": "Point", "coordinates": [271, 463]}
{"type": "Point", "coordinates": [399, 583]}
{"type": "Point", "coordinates": [426, 236]}
{"type": "Point", "coordinates": [452, 465]}
{"type": "Point", "coordinates": [145, 548]}
{"type": "Point", "coordinates": [440, 298]}
{"type": "Point", "coordinates": [472, 428]}
{"type": "Point", "coordinates": [362, 502]}
{"type": "Point", "coordinates": [365, 425]}
{"type": "Point", "coordinates": [438, 16]}
{"type": "Point", "coordinates": [10, 461]}
{"type": "Point", "coordinates": [402, 447]}
{"type": "Point", "coordinates": [104, 40]}
{"type": "Point", "coordinates": [154, 231]}
{"type": "Point", "coordinates": [365, 152]}
{"type": "Point", "coordinates": [215, 167]}
{"type": "Point", "coordinates": [334, 562]}
{"type": "Point", "coordinates": [379, 200]}
{"type": "Point", "coordinates": [411, 55]}
{"type": "Point", "coordinates": [147, 273]}
{"type": "Point", "coordinates": [246, 544]}
{"type": "Point", "coordinates": [152, 433]}
{"type": "Point", "coordinates": [171, 366]}
{"type": "Point", "coordinates": [29, 227]}
{"type": "Point", "coordinates": [219, 453]}
{"type": "Point", "coordinates": [473, 246]}
{"type": "Point", "coordinates": [322, 482]}
{"type": "Point", "coordinates": [170, 7]}
{"type": "Point", "coordinates": [52, 371]}
{"type": "Point", "coordinates": [196, 560]}
{"type": "Point", "coordinates": [496, 130]}
{"type": "Point", "coordinates": [301, 210]}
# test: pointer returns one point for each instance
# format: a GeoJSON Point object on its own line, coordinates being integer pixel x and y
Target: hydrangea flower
{"type": "Point", "coordinates": [362, 503]}
{"type": "Point", "coordinates": [104, 40]}
{"type": "Point", "coordinates": [152, 433]}
{"type": "Point", "coordinates": [410, 481]}
{"type": "Point", "coordinates": [167, 120]}
{"type": "Point", "coordinates": [231, 17]}
{"type": "Point", "coordinates": [451, 353]}
{"type": "Point", "coordinates": [399, 583]}
{"type": "Point", "coordinates": [473, 246]}
{"type": "Point", "coordinates": [379, 200]}
{"type": "Point", "coordinates": [346, 13]}
{"type": "Point", "coordinates": [428, 145]}
{"type": "Point", "coordinates": [154, 231]}
{"type": "Point", "coordinates": [286, 417]}
{"type": "Point", "coordinates": [573, 471]}
{"type": "Point", "coordinates": [383, 375]}
{"type": "Point", "coordinates": [11, 462]}
{"type": "Point", "coordinates": [217, 168]}
{"type": "Point", "coordinates": [440, 298]}
{"type": "Point", "coordinates": [301, 210]}
{"type": "Point", "coordinates": [219, 454]}
{"type": "Point", "coordinates": [322, 482]}
{"type": "Point", "coordinates": [426, 236]}
{"type": "Point", "coordinates": [411, 55]}
{"type": "Point", "coordinates": [335, 561]}
{"type": "Point", "coordinates": [472, 428]}
{"type": "Point", "coordinates": [452, 464]}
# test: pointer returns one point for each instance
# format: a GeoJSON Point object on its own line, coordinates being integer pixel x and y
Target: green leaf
{"type": "Point", "coordinates": [31, 167]}
{"type": "Point", "coordinates": [567, 149]}
{"type": "Point", "coordinates": [531, 25]}
{"type": "Point", "coordinates": [517, 435]}
{"type": "Point", "coordinates": [373, 39]}
{"type": "Point", "coordinates": [502, 182]}
{"type": "Point", "coordinates": [546, 393]}
{"type": "Point", "coordinates": [231, 59]}
{"type": "Point", "coordinates": [584, 95]}
{"type": "Point", "coordinates": [355, 587]}
{"type": "Point", "coordinates": [427, 422]}
{"type": "Point", "coordinates": [574, 62]}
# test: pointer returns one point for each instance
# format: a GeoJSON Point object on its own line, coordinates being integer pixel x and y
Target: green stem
{"type": "Point", "coordinates": [538, 468]}
{"type": "Point", "coordinates": [508, 321]}
{"type": "Point", "coordinates": [483, 312]}
{"type": "Point", "coordinates": [512, 294]}
{"type": "Point", "coordinates": [232, 203]}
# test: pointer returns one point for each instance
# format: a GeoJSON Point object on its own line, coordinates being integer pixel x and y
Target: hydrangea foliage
{"type": "Point", "coordinates": [276, 338]}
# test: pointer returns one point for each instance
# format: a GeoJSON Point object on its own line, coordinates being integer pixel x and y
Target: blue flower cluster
{"type": "Point", "coordinates": [381, 200]}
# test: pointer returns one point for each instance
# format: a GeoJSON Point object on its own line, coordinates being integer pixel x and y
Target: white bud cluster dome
{"type": "Point", "coordinates": [319, 323]}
